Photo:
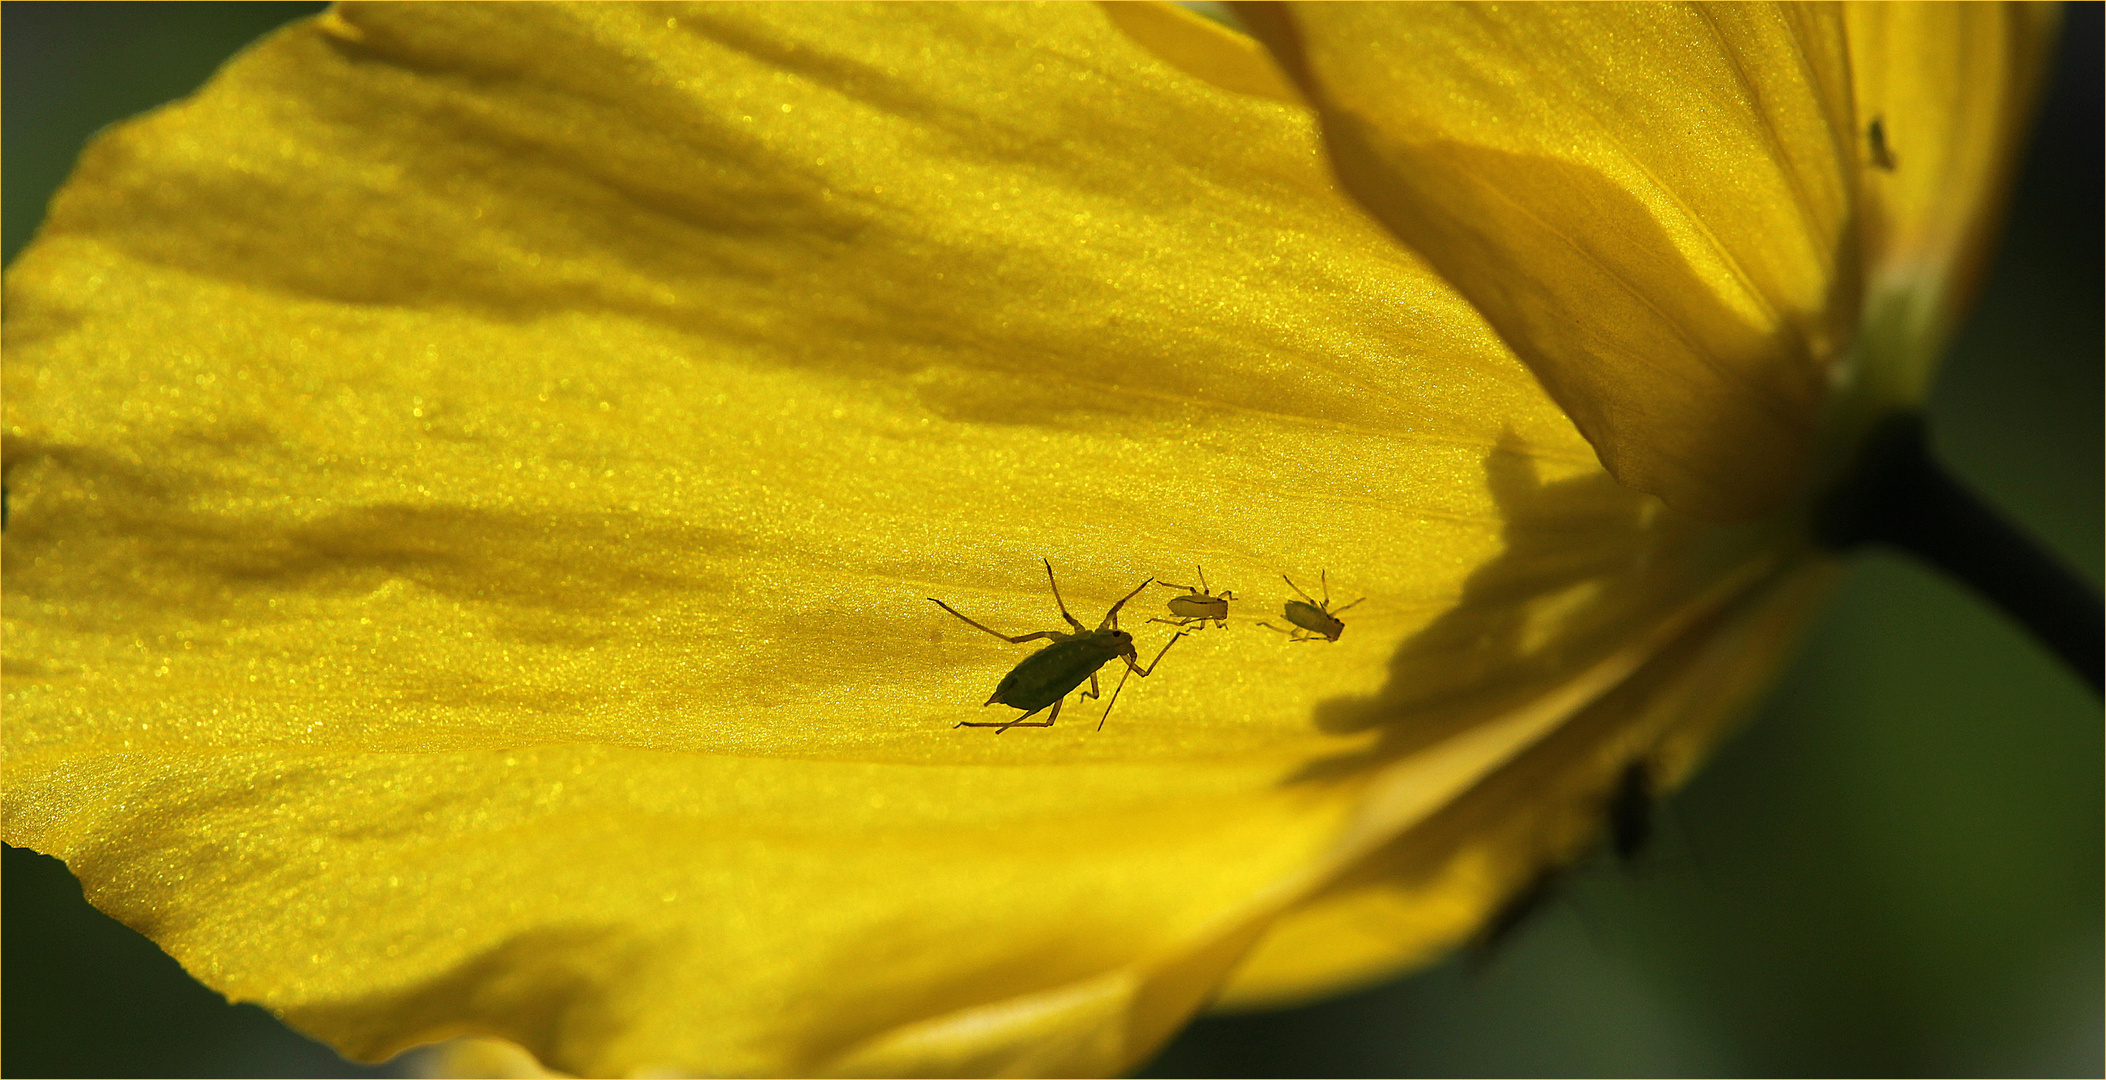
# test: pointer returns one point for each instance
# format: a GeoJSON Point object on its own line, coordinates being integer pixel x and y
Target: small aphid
{"type": "Point", "coordinates": [1045, 677]}
{"type": "Point", "coordinates": [1882, 154]}
{"type": "Point", "coordinates": [1631, 811]}
{"type": "Point", "coordinates": [1198, 605]}
{"type": "Point", "coordinates": [1313, 621]}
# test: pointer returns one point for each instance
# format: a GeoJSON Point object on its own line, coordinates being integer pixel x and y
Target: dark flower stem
{"type": "Point", "coordinates": [1899, 495]}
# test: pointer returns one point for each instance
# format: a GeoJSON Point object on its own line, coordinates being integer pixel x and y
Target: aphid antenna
{"type": "Point", "coordinates": [1057, 601]}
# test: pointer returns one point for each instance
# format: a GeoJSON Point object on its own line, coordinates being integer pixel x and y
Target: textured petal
{"type": "Point", "coordinates": [1952, 88]}
{"type": "Point", "coordinates": [476, 474]}
{"type": "Point", "coordinates": [1651, 203]}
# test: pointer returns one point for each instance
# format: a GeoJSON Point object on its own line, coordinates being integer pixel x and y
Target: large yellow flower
{"type": "Point", "coordinates": [476, 474]}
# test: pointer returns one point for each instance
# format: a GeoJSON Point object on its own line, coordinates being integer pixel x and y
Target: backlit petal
{"type": "Point", "coordinates": [1649, 202]}
{"type": "Point", "coordinates": [476, 476]}
{"type": "Point", "coordinates": [1952, 88]}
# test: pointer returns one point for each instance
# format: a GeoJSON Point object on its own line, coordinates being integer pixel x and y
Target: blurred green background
{"type": "Point", "coordinates": [1896, 870]}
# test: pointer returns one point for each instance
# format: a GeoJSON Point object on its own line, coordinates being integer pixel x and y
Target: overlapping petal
{"type": "Point", "coordinates": [1952, 87]}
{"type": "Point", "coordinates": [1645, 200]}
{"type": "Point", "coordinates": [476, 474]}
{"type": "Point", "coordinates": [1683, 216]}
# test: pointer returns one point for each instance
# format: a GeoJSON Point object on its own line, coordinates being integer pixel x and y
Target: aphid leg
{"type": "Point", "coordinates": [1005, 725]}
{"type": "Point", "coordinates": [1058, 602]}
{"type": "Point", "coordinates": [1298, 588]}
{"type": "Point", "coordinates": [1115, 696]}
{"type": "Point", "coordinates": [1133, 669]}
{"type": "Point", "coordinates": [984, 723]}
{"type": "Point", "coordinates": [1111, 618]}
{"type": "Point", "coordinates": [1203, 590]}
{"type": "Point", "coordinates": [1176, 622]}
{"type": "Point", "coordinates": [1144, 672]}
{"type": "Point", "coordinates": [1019, 721]}
{"type": "Point", "coordinates": [1019, 640]}
{"type": "Point", "coordinates": [1348, 606]}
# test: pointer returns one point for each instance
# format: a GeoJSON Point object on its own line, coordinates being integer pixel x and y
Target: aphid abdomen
{"type": "Point", "coordinates": [1199, 607]}
{"type": "Point", "coordinates": [1312, 618]}
{"type": "Point", "coordinates": [1049, 674]}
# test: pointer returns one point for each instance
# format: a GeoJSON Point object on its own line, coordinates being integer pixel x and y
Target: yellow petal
{"type": "Point", "coordinates": [1648, 202]}
{"type": "Point", "coordinates": [477, 474]}
{"type": "Point", "coordinates": [1952, 88]}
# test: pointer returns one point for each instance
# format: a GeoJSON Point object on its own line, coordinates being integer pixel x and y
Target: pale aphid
{"type": "Point", "coordinates": [1198, 606]}
{"type": "Point", "coordinates": [1313, 621]}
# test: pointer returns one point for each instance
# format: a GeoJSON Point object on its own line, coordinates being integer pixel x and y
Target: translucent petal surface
{"type": "Point", "coordinates": [476, 476]}
{"type": "Point", "coordinates": [1952, 88]}
{"type": "Point", "coordinates": [1651, 203]}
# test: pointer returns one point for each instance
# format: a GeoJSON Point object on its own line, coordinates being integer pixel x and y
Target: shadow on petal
{"type": "Point", "coordinates": [1689, 381]}
{"type": "Point", "coordinates": [1623, 635]}
{"type": "Point", "coordinates": [206, 563]}
{"type": "Point", "coordinates": [545, 990]}
{"type": "Point", "coordinates": [1589, 567]}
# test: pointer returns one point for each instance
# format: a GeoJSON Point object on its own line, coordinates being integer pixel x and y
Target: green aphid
{"type": "Point", "coordinates": [1046, 676]}
{"type": "Point", "coordinates": [1313, 621]}
{"type": "Point", "coordinates": [1198, 606]}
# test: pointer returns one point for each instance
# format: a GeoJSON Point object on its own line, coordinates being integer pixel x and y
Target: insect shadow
{"type": "Point", "coordinates": [1198, 606]}
{"type": "Point", "coordinates": [1628, 812]}
{"type": "Point", "coordinates": [1876, 138]}
{"type": "Point", "coordinates": [1631, 809]}
{"type": "Point", "coordinates": [1313, 621]}
{"type": "Point", "coordinates": [1045, 677]}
